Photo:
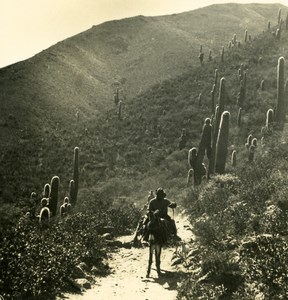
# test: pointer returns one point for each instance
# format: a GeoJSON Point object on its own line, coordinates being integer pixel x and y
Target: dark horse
{"type": "Point", "coordinates": [158, 230]}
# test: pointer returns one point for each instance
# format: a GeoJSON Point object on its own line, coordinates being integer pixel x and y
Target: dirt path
{"type": "Point", "coordinates": [128, 281]}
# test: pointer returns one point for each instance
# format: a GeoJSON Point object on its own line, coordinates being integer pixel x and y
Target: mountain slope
{"type": "Point", "coordinates": [40, 96]}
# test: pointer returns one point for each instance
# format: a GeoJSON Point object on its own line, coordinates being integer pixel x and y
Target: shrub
{"type": "Point", "coordinates": [36, 263]}
{"type": "Point", "coordinates": [264, 261]}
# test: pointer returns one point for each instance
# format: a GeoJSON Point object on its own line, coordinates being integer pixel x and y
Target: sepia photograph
{"type": "Point", "coordinates": [144, 150]}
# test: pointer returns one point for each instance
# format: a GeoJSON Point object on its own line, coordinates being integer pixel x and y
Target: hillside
{"type": "Point", "coordinates": [40, 96]}
{"type": "Point", "coordinates": [239, 218]}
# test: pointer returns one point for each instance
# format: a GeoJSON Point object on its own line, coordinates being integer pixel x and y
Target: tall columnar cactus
{"type": "Point", "coordinates": [44, 217]}
{"type": "Point", "coordinates": [278, 34]}
{"type": "Point", "coordinates": [72, 194]}
{"type": "Point", "coordinates": [210, 55]}
{"type": "Point", "coordinates": [200, 99]}
{"type": "Point", "coordinates": [251, 153]}
{"type": "Point", "coordinates": [262, 85]}
{"type": "Point", "coordinates": [241, 73]}
{"type": "Point", "coordinates": [269, 118]}
{"type": "Point", "coordinates": [222, 54]}
{"type": "Point", "coordinates": [234, 39]}
{"type": "Point", "coordinates": [246, 36]}
{"type": "Point", "coordinates": [211, 165]}
{"type": "Point", "coordinates": [222, 143]}
{"type": "Point", "coordinates": [218, 112]}
{"type": "Point", "coordinates": [182, 139]}
{"type": "Point", "coordinates": [234, 158]}
{"type": "Point", "coordinates": [76, 172]}
{"type": "Point", "coordinates": [120, 110]}
{"type": "Point", "coordinates": [192, 158]}
{"type": "Point", "coordinates": [213, 98]}
{"type": "Point", "coordinates": [204, 147]}
{"type": "Point", "coordinates": [268, 25]}
{"type": "Point", "coordinates": [46, 190]}
{"type": "Point", "coordinates": [216, 77]}
{"type": "Point", "coordinates": [279, 16]}
{"type": "Point", "coordinates": [53, 197]}
{"type": "Point", "coordinates": [77, 115]}
{"type": "Point", "coordinates": [286, 21]}
{"type": "Point", "coordinates": [281, 106]}
{"type": "Point", "coordinates": [116, 97]}
{"type": "Point", "coordinates": [245, 81]}
{"type": "Point", "coordinates": [190, 176]}
{"type": "Point", "coordinates": [286, 98]}
{"type": "Point", "coordinates": [222, 95]}
{"type": "Point", "coordinates": [241, 95]}
{"type": "Point", "coordinates": [62, 210]}
{"type": "Point", "coordinates": [239, 117]}
{"type": "Point", "coordinates": [201, 58]}
{"type": "Point", "coordinates": [249, 141]}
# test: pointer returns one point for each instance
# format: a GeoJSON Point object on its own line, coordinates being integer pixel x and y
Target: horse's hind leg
{"type": "Point", "coordinates": [150, 260]}
{"type": "Point", "coordinates": [157, 258]}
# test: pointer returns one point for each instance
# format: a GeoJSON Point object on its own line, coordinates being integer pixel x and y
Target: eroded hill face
{"type": "Point", "coordinates": [40, 96]}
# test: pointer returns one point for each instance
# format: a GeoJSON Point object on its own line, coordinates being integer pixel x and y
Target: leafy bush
{"type": "Point", "coordinates": [191, 290]}
{"type": "Point", "coordinates": [264, 264]}
{"type": "Point", "coordinates": [35, 263]}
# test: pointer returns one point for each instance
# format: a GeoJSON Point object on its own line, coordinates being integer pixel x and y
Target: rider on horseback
{"type": "Point", "coordinates": [161, 204]}
{"type": "Point", "coordinates": [158, 205]}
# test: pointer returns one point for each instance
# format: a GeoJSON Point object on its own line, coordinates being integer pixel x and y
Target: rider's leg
{"type": "Point", "coordinates": [157, 258]}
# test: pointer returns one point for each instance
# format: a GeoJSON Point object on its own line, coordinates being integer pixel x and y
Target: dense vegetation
{"type": "Point", "coordinates": [239, 218]}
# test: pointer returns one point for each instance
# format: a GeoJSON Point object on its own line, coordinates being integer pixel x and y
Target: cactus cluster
{"type": "Point", "coordinates": [215, 128]}
{"type": "Point", "coordinates": [50, 195]}
{"type": "Point", "coordinates": [195, 158]}
{"type": "Point", "coordinates": [204, 148]}
{"type": "Point", "coordinates": [213, 141]}
{"type": "Point", "coordinates": [65, 208]}
{"type": "Point", "coordinates": [251, 145]}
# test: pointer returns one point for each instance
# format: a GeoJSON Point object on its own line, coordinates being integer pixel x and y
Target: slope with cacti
{"type": "Point", "coordinates": [52, 101]}
{"type": "Point", "coordinates": [146, 146]}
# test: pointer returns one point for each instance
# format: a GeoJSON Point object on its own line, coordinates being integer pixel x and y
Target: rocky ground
{"type": "Point", "coordinates": [127, 279]}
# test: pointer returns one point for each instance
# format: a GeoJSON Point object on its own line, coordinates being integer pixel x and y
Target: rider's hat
{"type": "Point", "coordinates": [160, 192]}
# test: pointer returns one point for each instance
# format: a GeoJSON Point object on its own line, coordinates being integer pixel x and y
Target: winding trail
{"type": "Point", "coordinates": [127, 279]}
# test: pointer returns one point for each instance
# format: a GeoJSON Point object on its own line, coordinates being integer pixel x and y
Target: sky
{"type": "Point", "coordinates": [30, 26]}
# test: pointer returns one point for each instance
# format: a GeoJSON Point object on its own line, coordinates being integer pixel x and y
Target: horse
{"type": "Point", "coordinates": [158, 230]}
